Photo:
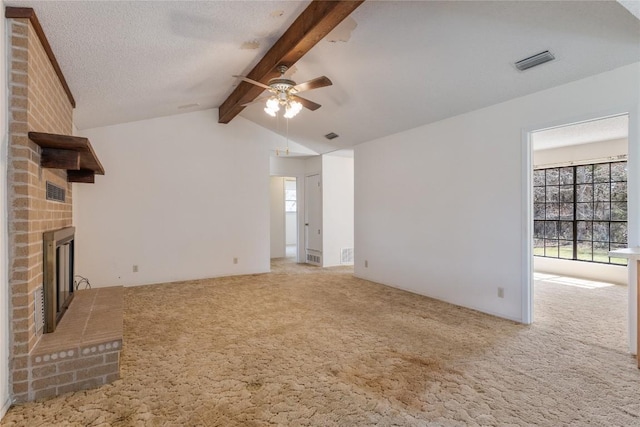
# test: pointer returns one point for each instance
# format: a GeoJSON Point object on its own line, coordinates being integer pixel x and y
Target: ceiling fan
{"type": "Point", "coordinates": [284, 93]}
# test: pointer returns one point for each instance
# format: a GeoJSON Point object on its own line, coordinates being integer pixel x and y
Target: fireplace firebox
{"type": "Point", "coordinates": [58, 275]}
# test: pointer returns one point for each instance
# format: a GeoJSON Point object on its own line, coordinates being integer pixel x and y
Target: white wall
{"type": "Point", "coordinates": [313, 165]}
{"type": "Point", "coordinates": [581, 153]}
{"type": "Point", "coordinates": [277, 234]}
{"type": "Point", "coordinates": [4, 280]}
{"type": "Point", "coordinates": [583, 270]}
{"type": "Point", "coordinates": [337, 207]}
{"type": "Point", "coordinates": [287, 166]}
{"type": "Point", "coordinates": [182, 196]}
{"type": "Point", "coordinates": [443, 209]}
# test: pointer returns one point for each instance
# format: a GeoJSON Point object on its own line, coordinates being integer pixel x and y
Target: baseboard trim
{"type": "Point", "coordinates": [413, 291]}
{"type": "Point", "coordinates": [5, 408]}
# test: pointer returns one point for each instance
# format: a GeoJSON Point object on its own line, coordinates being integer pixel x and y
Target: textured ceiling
{"type": "Point", "coordinates": [582, 133]}
{"type": "Point", "coordinates": [132, 60]}
{"type": "Point", "coordinates": [394, 65]}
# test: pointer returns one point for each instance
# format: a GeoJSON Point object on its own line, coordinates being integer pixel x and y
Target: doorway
{"type": "Point", "coordinates": [291, 217]}
{"type": "Point", "coordinates": [284, 218]}
{"type": "Point", "coordinates": [578, 208]}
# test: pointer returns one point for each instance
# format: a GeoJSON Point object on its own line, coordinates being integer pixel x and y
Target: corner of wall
{"type": "Point", "coordinates": [5, 395]}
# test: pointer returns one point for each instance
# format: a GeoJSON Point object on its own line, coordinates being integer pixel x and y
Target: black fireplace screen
{"type": "Point", "coordinates": [58, 275]}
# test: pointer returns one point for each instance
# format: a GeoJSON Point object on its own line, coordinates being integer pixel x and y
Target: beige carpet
{"type": "Point", "coordinates": [305, 346]}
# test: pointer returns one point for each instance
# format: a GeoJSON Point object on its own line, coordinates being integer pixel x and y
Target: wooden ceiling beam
{"type": "Point", "coordinates": [313, 24]}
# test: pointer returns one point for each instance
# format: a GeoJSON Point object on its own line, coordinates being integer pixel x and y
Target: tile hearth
{"type": "Point", "coordinates": [84, 351]}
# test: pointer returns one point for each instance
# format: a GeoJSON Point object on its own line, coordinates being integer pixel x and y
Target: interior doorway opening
{"type": "Point", "coordinates": [284, 218]}
{"type": "Point", "coordinates": [578, 208]}
{"type": "Point", "coordinates": [291, 217]}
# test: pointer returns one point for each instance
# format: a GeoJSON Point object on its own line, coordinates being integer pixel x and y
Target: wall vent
{"type": "Point", "coordinates": [314, 258]}
{"type": "Point", "coordinates": [331, 135]}
{"type": "Point", "coordinates": [55, 193]}
{"type": "Point", "coordinates": [38, 309]}
{"type": "Point", "coordinates": [346, 256]}
{"type": "Point", "coordinates": [535, 60]}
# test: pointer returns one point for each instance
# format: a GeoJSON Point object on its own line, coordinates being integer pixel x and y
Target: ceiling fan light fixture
{"type": "Point", "coordinates": [273, 103]}
{"type": "Point", "coordinates": [292, 109]}
{"type": "Point", "coordinates": [284, 94]}
{"type": "Point", "coordinates": [273, 106]}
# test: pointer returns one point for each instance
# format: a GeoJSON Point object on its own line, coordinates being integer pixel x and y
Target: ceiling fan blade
{"type": "Point", "coordinates": [316, 83]}
{"type": "Point", "coordinates": [261, 99]}
{"type": "Point", "coordinates": [306, 103]}
{"type": "Point", "coordinates": [248, 80]}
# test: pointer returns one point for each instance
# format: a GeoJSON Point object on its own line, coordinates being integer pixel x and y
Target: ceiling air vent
{"type": "Point", "coordinates": [331, 135]}
{"type": "Point", "coordinates": [535, 60]}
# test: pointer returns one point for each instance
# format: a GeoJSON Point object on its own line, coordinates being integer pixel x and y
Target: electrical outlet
{"type": "Point", "coordinates": [135, 268]}
{"type": "Point", "coordinates": [500, 292]}
{"type": "Point", "coordinates": [366, 264]}
{"type": "Point", "coordinates": [235, 260]}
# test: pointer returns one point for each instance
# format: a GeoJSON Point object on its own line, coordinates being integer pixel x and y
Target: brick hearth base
{"type": "Point", "coordinates": [84, 351]}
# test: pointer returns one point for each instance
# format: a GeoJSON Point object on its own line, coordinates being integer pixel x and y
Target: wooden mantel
{"type": "Point", "coordinates": [73, 153]}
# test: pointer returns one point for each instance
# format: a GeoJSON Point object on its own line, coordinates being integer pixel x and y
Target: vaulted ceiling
{"type": "Point", "coordinates": [394, 65]}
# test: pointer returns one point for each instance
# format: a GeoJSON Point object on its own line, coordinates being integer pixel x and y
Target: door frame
{"type": "Point", "coordinates": [297, 214]}
{"type": "Point", "coordinates": [633, 207]}
{"type": "Point", "coordinates": [300, 212]}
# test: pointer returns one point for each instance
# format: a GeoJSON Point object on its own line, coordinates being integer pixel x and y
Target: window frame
{"type": "Point", "coordinates": [295, 200]}
{"type": "Point", "coordinates": [573, 208]}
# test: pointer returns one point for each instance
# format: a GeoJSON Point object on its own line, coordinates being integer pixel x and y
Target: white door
{"type": "Point", "coordinates": [313, 213]}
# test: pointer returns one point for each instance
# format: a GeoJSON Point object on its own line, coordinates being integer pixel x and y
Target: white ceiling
{"type": "Point", "coordinates": [403, 64]}
{"type": "Point", "coordinates": [605, 129]}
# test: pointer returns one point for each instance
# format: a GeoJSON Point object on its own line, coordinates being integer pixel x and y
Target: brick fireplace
{"type": "Point", "coordinates": [40, 101]}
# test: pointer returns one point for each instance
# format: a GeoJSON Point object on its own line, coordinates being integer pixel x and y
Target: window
{"type": "Point", "coordinates": [290, 201]}
{"type": "Point", "coordinates": [580, 212]}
